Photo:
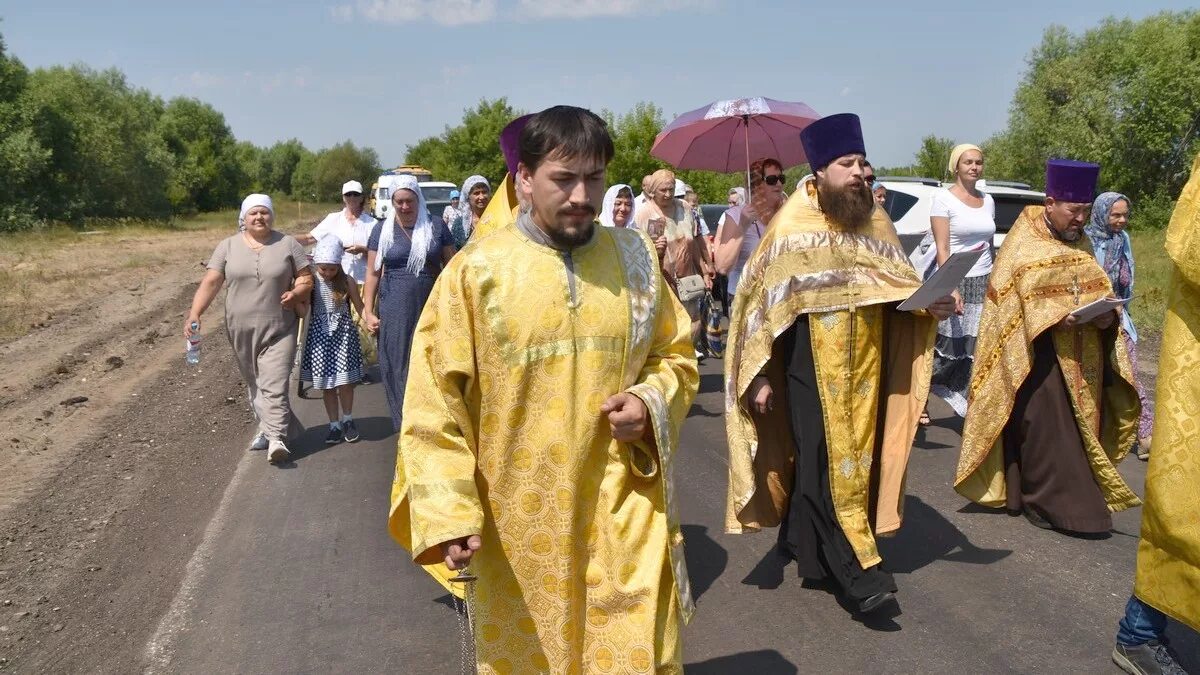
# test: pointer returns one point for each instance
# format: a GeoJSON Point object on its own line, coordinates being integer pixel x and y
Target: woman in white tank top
{"type": "Point", "coordinates": [961, 217]}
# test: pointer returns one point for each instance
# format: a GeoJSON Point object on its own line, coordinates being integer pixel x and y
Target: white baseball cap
{"type": "Point", "coordinates": [352, 186]}
{"type": "Point", "coordinates": [680, 188]}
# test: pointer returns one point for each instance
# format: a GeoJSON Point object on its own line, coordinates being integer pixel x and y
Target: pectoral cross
{"type": "Point", "coordinates": [1075, 289]}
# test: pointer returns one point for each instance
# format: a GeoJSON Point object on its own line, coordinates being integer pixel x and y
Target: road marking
{"type": "Point", "coordinates": [161, 647]}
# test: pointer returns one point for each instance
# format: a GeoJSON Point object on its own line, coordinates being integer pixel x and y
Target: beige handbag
{"type": "Point", "coordinates": [687, 288]}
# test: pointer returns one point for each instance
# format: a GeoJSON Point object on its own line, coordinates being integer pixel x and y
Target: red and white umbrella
{"type": "Point", "coordinates": [727, 135]}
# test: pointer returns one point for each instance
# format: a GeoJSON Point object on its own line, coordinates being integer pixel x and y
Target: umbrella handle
{"type": "Point", "coordinates": [746, 121]}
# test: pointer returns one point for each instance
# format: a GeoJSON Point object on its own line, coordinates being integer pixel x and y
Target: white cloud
{"type": "Point", "coordinates": [202, 80]}
{"type": "Point", "coordinates": [342, 13]}
{"type": "Point", "coordinates": [587, 9]}
{"type": "Point", "coordinates": [445, 12]}
{"type": "Point", "coordinates": [846, 91]}
{"type": "Point", "coordinates": [460, 12]}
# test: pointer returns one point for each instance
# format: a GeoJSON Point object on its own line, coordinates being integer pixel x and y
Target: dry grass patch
{"type": "Point", "coordinates": [46, 272]}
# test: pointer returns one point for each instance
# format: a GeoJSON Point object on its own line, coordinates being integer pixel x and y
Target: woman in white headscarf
{"type": "Point", "coordinates": [405, 253]}
{"type": "Point", "coordinates": [476, 193]}
{"type": "Point", "coordinates": [618, 206]}
{"type": "Point", "coordinates": [269, 281]}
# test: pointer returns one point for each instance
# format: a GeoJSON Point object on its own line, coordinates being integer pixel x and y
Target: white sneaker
{"type": "Point", "coordinates": [260, 442]}
{"type": "Point", "coordinates": [278, 452]}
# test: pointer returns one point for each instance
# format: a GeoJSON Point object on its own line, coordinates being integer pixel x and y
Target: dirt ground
{"type": "Point", "coordinates": [113, 452]}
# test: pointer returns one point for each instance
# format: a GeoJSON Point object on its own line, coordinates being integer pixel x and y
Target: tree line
{"type": "Point", "coordinates": [77, 143]}
{"type": "Point", "coordinates": [1125, 94]}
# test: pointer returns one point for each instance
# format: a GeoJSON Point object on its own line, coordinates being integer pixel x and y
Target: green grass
{"type": "Point", "coordinates": [1150, 284]}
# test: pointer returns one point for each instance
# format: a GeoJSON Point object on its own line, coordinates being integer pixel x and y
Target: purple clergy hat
{"type": "Point", "coordinates": [1068, 180]}
{"type": "Point", "coordinates": [510, 143]}
{"type": "Point", "coordinates": [831, 137]}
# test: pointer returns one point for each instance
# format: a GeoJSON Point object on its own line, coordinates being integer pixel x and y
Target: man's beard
{"type": "Point", "coordinates": [570, 236]}
{"type": "Point", "coordinates": [850, 206]}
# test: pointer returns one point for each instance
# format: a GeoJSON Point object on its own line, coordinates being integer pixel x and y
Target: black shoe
{"type": "Point", "coordinates": [873, 603]}
{"type": "Point", "coordinates": [366, 379]}
{"type": "Point", "coordinates": [335, 435]}
{"type": "Point", "coordinates": [350, 431]}
{"type": "Point", "coordinates": [1036, 519]}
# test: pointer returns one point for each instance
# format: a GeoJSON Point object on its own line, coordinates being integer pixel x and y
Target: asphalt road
{"type": "Point", "coordinates": [296, 573]}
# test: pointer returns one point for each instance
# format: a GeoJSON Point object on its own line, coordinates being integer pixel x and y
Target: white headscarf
{"type": "Point", "coordinates": [610, 201]}
{"type": "Point", "coordinates": [250, 202]}
{"type": "Point", "coordinates": [422, 232]}
{"type": "Point", "coordinates": [465, 202]}
{"type": "Point", "coordinates": [328, 250]}
{"type": "Point", "coordinates": [741, 195]}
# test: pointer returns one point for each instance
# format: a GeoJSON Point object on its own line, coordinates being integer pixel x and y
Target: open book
{"type": "Point", "coordinates": [1095, 309]}
{"type": "Point", "coordinates": [947, 278]}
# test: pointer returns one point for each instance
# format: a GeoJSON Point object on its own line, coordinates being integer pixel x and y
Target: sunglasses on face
{"type": "Point", "coordinates": [352, 194]}
{"type": "Point", "coordinates": [774, 180]}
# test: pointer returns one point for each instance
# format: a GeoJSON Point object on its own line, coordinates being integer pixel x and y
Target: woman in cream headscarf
{"type": "Point", "coordinates": [961, 217]}
{"type": "Point", "coordinates": [669, 222]}
{"type": "Point", "coordinates": [405, 253]}
{"type": "Point", "coordinates": [476, 193]}
{"type": "Point", "coordinates": [618, 207]}
{"type": "Point", "coordinates": [269, 281]}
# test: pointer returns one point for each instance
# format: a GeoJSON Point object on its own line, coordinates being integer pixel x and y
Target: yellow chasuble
{"type": "Point", "coordinates": [501, 210]}
{"type": "Point", "coordinates": [1037, 281]}
{"type": "Point", "coordinates": [582, 566]}
{"type": "Point", "coordinates": [1168, 566]}
{"type": "Point", "coordinates": [873, 366]}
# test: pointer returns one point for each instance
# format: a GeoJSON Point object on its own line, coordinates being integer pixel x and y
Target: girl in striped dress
{"type": "Point", "coordinates": [333, 361]}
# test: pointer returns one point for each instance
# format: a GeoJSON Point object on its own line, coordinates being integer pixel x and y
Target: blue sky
{"type": "Point", "coordinates": [386, 73]}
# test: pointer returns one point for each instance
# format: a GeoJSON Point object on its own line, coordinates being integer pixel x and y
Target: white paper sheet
{"type": "Point", "coordinates": [945, 279]}
{"type": "Point", "coordinates": [1095, 309]}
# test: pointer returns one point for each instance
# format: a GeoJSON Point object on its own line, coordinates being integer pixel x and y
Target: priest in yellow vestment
{"type": "Point", "coordinates": [1168, 563]}
{"type": "Point", "coordinates": [552, 369]}
{"type": "Point", "coordinates": [1052, 407]}
{"type": "Point", "coordinates": [824, 379]}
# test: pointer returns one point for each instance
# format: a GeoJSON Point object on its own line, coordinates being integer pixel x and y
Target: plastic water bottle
{"type": "Point", "coordinates": [193, 345]}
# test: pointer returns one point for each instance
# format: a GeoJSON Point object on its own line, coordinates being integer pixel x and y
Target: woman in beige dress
{"type": "Point", "coordinates": [669, 223]}
{"type": "Point", "coordinates": [269, 281]}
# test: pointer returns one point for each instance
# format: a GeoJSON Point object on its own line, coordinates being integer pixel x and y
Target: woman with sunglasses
{"type": "Point", "coordinates": [743, 226]}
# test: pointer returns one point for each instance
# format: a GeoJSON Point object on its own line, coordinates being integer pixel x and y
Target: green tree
{"type": "Point", "coordinates": [279, 164]}
{"type": "Point", "coordinates": [932, 158]}
{"type": "Point", "coordinates": [106, 156]}
{"type": "Point", "coordinates": [322, 175]}
{"type": "Point", "coordinates": [22, 157]}
{"type": "Point", "coordinates": [207, 174]}
{"type": "Point", "coordinates": [250, 159]}
{"type": "Point", "coordinates": [468, 148]}
{"type": "Point", "coordinates": [1125, 94]}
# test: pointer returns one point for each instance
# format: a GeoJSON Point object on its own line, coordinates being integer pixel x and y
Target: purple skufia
{"type": "Point", "coordinates": [510, 143]}
{"type": "Point", "coordinates": [831, 137]}
{"type": "Point", "coordinates": [1069, 180]}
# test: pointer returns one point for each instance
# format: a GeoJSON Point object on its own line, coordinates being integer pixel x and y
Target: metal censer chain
{"type": "Point", "coordinates": [466, 620]}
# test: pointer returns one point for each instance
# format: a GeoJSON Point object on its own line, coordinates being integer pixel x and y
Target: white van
{"type": "Point", "coordinates": [437, 196]}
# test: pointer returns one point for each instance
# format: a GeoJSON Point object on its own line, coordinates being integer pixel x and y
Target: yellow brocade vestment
{"type": "Point", "coordinates": [1037, 281]}
{"type": "Point", "coordinates": [873, 367]}
{"type": "Point", "coordinates": [1168, 566]}
{"type": "Point", "coordinates": [581, 568]}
